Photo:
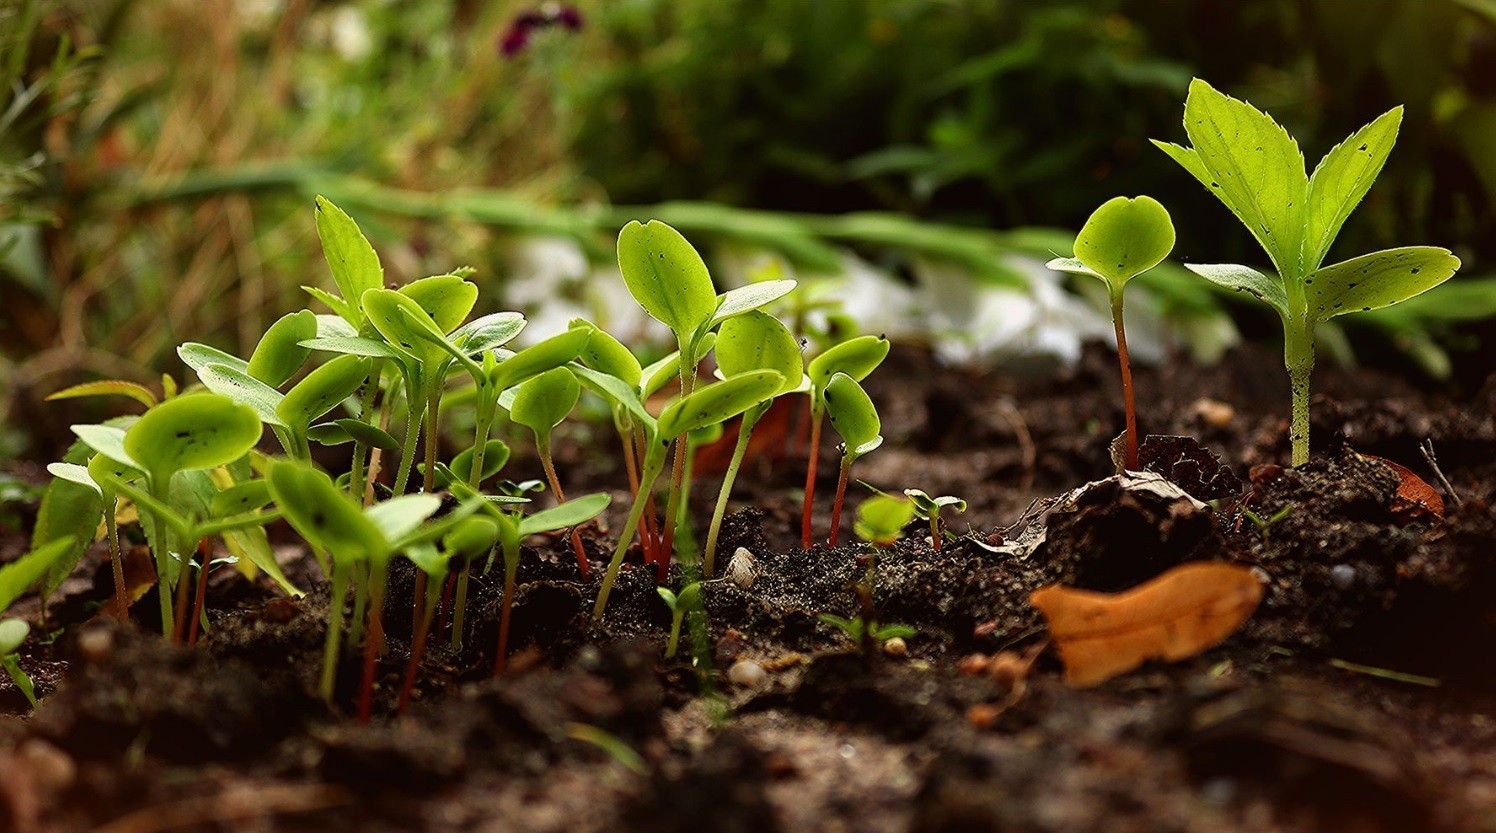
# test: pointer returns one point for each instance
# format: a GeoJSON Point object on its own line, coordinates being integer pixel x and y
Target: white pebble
{"type": "Point", "coordinates": [745, 673]}
{"type": "Point", "coordinates": [742, 570]}
{"type": "Point", "coordinates": [896, 647]}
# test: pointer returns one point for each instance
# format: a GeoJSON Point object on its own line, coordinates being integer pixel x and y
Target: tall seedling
{"type": "Point", "coordinates": [1123, 239]}
{"type": "Point", "coordinates": [855, 357]}
{"type": "Point", "coordinates": [856, 421]}
{"type": "Point", "coordinates": [1253, 166]}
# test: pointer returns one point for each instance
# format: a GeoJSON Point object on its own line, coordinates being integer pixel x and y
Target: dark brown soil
{"type": "Point", "coordinates": [1359, 696]}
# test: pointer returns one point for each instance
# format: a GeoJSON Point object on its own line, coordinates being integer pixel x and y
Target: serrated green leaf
{"type": "Point", "coordinates": [196, 431]}
{"type": "Point", "coordinates": [568, 514]}
{"type": "Point", "coordinates": [322, 390]}
{"type": "Point", "coordinates": [1265, 288]}
{"type": "Point", "coordinates": [543, 401]}
{"type": "Point", "coordinates": [758, 341]}
{"type": "Point", "coordinates": [354, 263]}
{"type": "Point", "coordinates": [852, 415]}
{"type": "Point", "coordinates": [1253, 166]}
{"type": "Point", "coordinates": [718, 402]}
{"type": "Point", "coordinates": [280, 352]}
{"type": "Point", "coordinates": [1342, 178]}
{"type": "Point", "coordinates": [1378, 280]}
{"type": "Point", "coordinates": [345, 310]}
{"type": "Point", "coordinates": [667, 277]}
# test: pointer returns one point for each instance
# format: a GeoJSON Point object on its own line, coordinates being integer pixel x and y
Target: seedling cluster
{"type": "Point", "coordinates": [375, 384]}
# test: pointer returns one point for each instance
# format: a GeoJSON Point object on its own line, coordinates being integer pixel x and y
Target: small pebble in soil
{"type": "Point", "coordinates": [742, 570]}
{"type": "Point", "coordinates": [95, 645]}
{"type": "Point", "coordinates": [745, 673]}
{"type": "Point", "coordinates": [896, 647]}
{"type": "Point", "coordinates": [1342, 576]}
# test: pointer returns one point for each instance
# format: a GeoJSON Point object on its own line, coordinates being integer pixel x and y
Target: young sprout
{"type": "Point", "coordinates": [679, 605]}
{"type": "Point", "coordinates": [880, 522]}
{"type": "Point", "coordinates": [1123, 238]}
{"type": "Point", "coordinates": [540, 404]}
{"type": "Point", "coordinates": [670, 281]}
{"type": "Point", "coordinates": [928, 508]}
{"type": "Point", "coordinates": [856, 421]}
{"type": "Point", "coordinates": [1257, 170]}
{"type": "Point", "coordinates": [13, 633]}
{"type": "Point", "coordinates": [197, 431]}
{"type": "Point", "coordinates": [97, 475]}
{"type": "Point", "coordinates": [856, 357]}
{"type": "Point", "coordinates": [713, 403]}
{"type": "Point", "coordinates": [749, 342]}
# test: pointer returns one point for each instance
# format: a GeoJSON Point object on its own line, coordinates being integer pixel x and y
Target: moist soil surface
{"type": "Point", "coordinates": [1358, 697]}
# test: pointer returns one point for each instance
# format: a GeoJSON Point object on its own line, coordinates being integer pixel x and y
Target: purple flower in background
{"type": "Point", "coordinates": [517, 35]}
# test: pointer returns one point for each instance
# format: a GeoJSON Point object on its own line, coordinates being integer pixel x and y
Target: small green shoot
{"type": "Point", "coordinates": [1257, 170]}
{"type": "Point", "coordinates": [679, 605]}
{"type": "Point", "coordinates": [856, 420]}
{"type": "Point", "coordinates": [1122, 239]}
{"type": "Point", "coordinates": [929, 509]}
{"type": "Point", "coordinates": [13, 633]}
{"type": "Point", "coordinates": [857, 358]}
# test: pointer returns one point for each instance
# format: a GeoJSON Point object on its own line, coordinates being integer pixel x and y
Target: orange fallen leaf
{"type": "Point", "coordinates": [1416, 500]}
{"type": "Point", "coordinates": [140, 577]}
{"type": "Point", "coordinates": [1176, 615]}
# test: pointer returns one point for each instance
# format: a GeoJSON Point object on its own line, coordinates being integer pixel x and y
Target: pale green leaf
{"type": "Point", "coordinates": [856, 357]}
{"type": "Point", "coordinates": [751, 297]}
{"type": "Point", "coordinates": [1124, 238]}
{"type": "Point", "coordinates": [198, 356]}
{"type": "Point", "coordinates": [543, 401]}
{"type": "Point", "coordinates": [354, 263]}
{"type": "Point", "coordinates": [22, 574]}
{"type": "Point", "coordinates": [852, 415]}
{"type": "Point", "coordinates": [667, 277]}
{"type": "Point", "coordinates": [1238, 278]}
{"type": "Point", "coordinates": [280, 352]}
{"type": "Point", "coordinates": [758, 341]}
{"type": "Point", "coordinates": [1342, 178]}
{"type": "Point", "coordinates": [245, 389]}
{"type": "Point", "coordinates": [718, 402]}
{"type": "Point", "coordinates": [488, 331]}
{"type": "Point", "coordinates": [108, 387]}
{"type": "Point", "coordinates": [196, 431]}
{"type": "Point", "coordinates": [1378, 280]}
{"type": "Point", "coordinates": [399, 516]}
{"type": "Point", "coordinates": [569, 514]}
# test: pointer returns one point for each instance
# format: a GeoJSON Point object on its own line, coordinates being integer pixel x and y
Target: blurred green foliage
{"type": "Point", "coordinates": [157, 156]}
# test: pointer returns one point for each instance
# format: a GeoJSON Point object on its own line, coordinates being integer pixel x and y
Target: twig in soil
{"type": "Point", "coordinates": [1385, 673]}
{"type": "Point", "coordinates": [228, 806]}
{"type": "Point", "coordinates": [1427, 447]}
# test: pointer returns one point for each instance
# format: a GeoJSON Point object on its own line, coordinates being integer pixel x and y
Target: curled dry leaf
{"type": "Point", "coordinates": [1416, 500]}
{"type": "Point", "coordinates": [1186, 610]}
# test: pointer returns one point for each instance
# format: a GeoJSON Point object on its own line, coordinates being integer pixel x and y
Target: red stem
{"type": "Point", "coordinates": [810, 477]}
{"type": "Point", "coordinates": [444, 610]}
{"type": "Point", "coordinates": [373, 639]}
{"type": "Point", "coordinates": [503, 648]}
{"type": "Point", "coordinates": [416, 651]}
{"type": "Point", "coordinates": [418, 604]}
{"type": "Point", "coordinates": [841, 495]}
{"type": "Point", "coordinates": [548, 463]}
{"type": "Point", "coordinates": [197, 607]}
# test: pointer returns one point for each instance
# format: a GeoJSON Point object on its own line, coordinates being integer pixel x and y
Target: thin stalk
{"type": "Point", "coordinates": [376, 457]}
{"type": "Point", "coordinates": [184, 584]}
{"type": "Point", "coordinates": [459, 607]}
{"type": "Point", "coordinates": [111, 528]}
{"type": "Point", "coordinates": [648, 540]}
{"type": "Point", "coordinates": [547, 462]}
{"type": "Point", "coordinates": [678, 467]}
{"type": "Point", "coordinates": [408, 447]}
{"type": "Point", "coordinates": [1298, 351]}
{"type": "Point", "coordinates": [360, 603]}
{"type": "Point", "coordinates": [810, 473]}
{"type": "Point", "coordinates": [361, 452]}
{"type": "Point", "coordinates": [739, 451]}
{"type": "Point", "coordinates": [935, 536]}
{"type": "Point", "coordinates": [487, 411]}
{"type": "Point", "coordinates": [340, 579]}
{"type": "Point", "coordinates": [676, 617]}
{"type": "Point", "coordinates": [654, 463]}
{"type": "Point", "coordinates": [841, 496]}
{"type": "Point", "coordinates": [202, 595]}
{"type": "Point", "coordinates": [1127, 397]}
{"type": "Point", "coordinates": [373, 642]}
{"type": "Point", "coordinates": [163, 587]}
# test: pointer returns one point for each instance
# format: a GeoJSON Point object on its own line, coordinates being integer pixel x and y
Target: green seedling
{"type": "Point", "coordinates": [1122, 239]}
{"type": "Point", "coordinates": [880, 522]}
{"type": "Point", "coordinates": [28, 571]}
{"type": "Point", "coordinates": [13, 633]}
{"type": "Point", "coordinates": [541, 403]}
{"type": "Point", "coordinates": [679, 605]}
{"type": "Point", "coordinates": [712, 404]}
{"type": "Point", "coordinates": [188, 433]}
{"type": "Point", "coordinates": [856, 420]}
{"type": "Point", "coordinates": [856, 358]}
{"type": "Point", "coordinates": [97, 475]}
{"type": "Point", "coordinates": [359, 539]}
{"type": "Point", "coordinates": [750, 342]}
{"type": "Point", "coordinates": [671, 282]}
{"type": "Point", "coordinates": [929, 509]}
{"type": "Point", "coordinates": [858, 631]}
{"type": "Point", "coordinates": [1257, 170]}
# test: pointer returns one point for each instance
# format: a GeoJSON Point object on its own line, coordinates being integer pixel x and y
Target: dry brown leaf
{"type": "Point", "coordinates": [1176, 615]}
{"type": "Point", "coordinates": [1416, 500]}
{"type": "Point", "coordinates": [140, 577]}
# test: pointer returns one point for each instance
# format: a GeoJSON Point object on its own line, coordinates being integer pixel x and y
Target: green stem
{"type": "Point", "coordinates": [1298, 354]}
{"type": "Point", "coordinates": [12, 665]}
{"type": "Point", "coordinates": [365, 413]}
{"type": "Point", "coordinates": [360, 602]}
{"type": "Point", "coordinates": [408, 447]}
{"type": "Point", "coordinates": [1127, 396]}
{"type": "Point", "coordinates": [654, 463]}
{"type": "Point", "coordinates": [163, 558]}
{"type": "Point", "coordinates": [433, 439]}
{"type": "Point", "coordinates": [340, 579]}
{"type": "Point", "coordinates": [745, 431]}
{"type": "Point", "coordinates": [111, 527]}
{"type": "Point", "coordinates": [459, 605]}
{"type": "Point", "coordinates": [677, 616]}
{"type": "Point", "coordinates": [678, 467]}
